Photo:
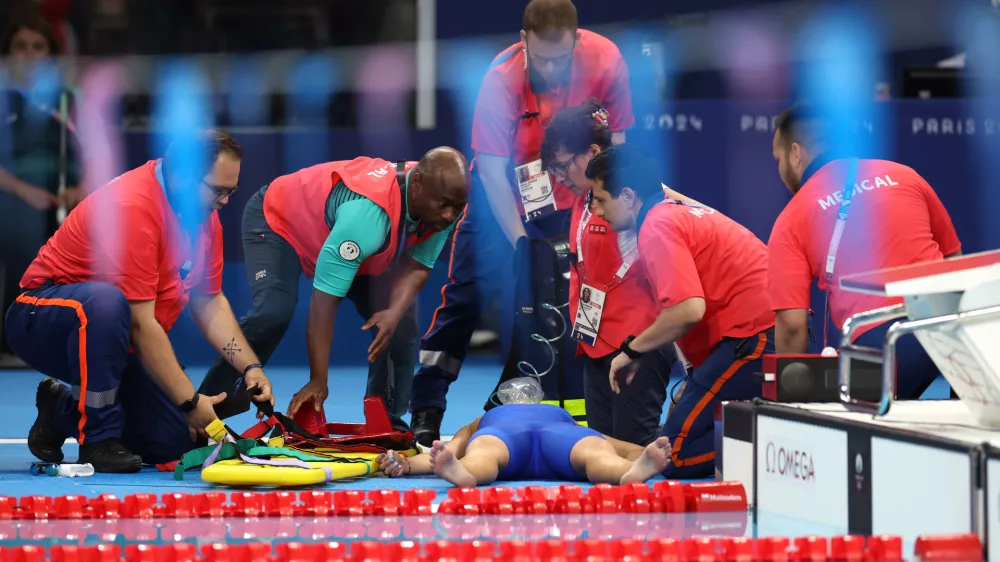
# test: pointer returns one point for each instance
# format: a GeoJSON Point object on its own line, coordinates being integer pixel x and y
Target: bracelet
{"type": "Point", "coordinates": [189, 405]}
{"type": "Point", "coordinates": [253, 366]}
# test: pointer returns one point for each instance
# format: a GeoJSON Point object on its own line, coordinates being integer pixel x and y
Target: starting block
{"type": "Point", "coordinates": [865, 463]}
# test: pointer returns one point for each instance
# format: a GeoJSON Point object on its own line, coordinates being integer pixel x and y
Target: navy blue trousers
{"type": "Point", "coordinates": [273, 271]}
{"type": "Point", "coordinates": [727, 374]}
{"type": "Point", "coordinates": [80, 334]}
{"type": "Point", "coordinates": [480, 261]}
{"type": "Point", "coordinates": [634, 415]}
{"type": "Point", "coordinates": [915, 370]}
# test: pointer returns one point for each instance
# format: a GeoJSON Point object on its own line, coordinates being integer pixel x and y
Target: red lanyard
{"type": "Point", "coordinates": [627, 260]}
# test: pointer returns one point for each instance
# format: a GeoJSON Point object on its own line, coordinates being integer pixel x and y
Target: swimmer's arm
{"type": "Point", "coordinates": [461, 438]}
{"type": "Point", "coordinates": [421, 464]}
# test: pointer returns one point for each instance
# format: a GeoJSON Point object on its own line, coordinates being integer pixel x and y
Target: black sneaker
{"type": "Point", "coordinates": [109, 456]}
{"type": "Point", "coordinates": [43, 440]}
{"type": "Point", "coordinates": [426, 425]}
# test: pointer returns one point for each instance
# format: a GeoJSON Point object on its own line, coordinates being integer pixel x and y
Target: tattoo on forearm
{"type": "Point", "coordinates": [231, 350]}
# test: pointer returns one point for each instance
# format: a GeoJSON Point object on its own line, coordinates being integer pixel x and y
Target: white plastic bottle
{"type": "Point", "coordinates": [73, 470]}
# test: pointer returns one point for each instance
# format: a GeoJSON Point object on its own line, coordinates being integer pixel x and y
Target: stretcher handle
{"type": "Point", "coordinates": [286, 422]}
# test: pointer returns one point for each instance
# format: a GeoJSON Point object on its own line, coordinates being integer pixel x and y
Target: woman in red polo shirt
{"type": "Point", "coordinates": [609, 298]}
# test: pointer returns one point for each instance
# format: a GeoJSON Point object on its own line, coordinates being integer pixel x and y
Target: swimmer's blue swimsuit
{"type": "Point", "coordinates": [539, 438]}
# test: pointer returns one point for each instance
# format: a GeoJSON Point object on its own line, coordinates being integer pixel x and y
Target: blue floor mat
{"type": "Point", "coordinates": [345, 404]}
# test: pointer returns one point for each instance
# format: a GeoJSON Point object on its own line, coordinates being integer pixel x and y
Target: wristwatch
{"type": "Point", "coordinates": [631, 353]}
{"type": "Point", "coordinates": [189, 405]}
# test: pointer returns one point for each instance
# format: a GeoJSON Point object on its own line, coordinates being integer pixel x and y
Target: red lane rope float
{"type": "Point", "coordinates": [662, 497]}
{"type": "Point", "coordinates": [847, 548]}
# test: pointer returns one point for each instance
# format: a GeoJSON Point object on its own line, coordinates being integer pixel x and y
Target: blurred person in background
{"type": "Point", "coordinates": [37, 153]}
{"type": "Point", "coordinates": [554, 65]}
{"type": "Point", "coordinates": [895, 218]}
{"type": "Point", "coordinates": [100, 298]}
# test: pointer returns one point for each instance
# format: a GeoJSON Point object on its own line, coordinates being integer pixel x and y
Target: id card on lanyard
{"type": "Point", "coordinates": [534, 185]}
{"type": "Point", "coordinates": [591, 299]}
{"type": "Point", "coordinates": [838, 233]}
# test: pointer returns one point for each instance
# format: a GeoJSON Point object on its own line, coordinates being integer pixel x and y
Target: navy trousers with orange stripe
{"type": "Point", "coordinates": [81, 335]}
{"type": "Point", "coordinates": [727, 374]}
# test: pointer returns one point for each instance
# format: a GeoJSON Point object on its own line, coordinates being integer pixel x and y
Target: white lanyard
{"type": "Point", "coordinates": [838, 233]}
{"type": "Point", "coordinates": [838, 228]}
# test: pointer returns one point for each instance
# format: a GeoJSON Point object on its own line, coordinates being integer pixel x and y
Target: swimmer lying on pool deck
{"type": "Point", "coordinates": [531, 442]}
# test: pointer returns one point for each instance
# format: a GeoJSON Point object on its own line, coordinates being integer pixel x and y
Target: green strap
{"type": "Point", "coordinates": [249, 447]}
{"type": "Point", "coordinates": [284, 452]}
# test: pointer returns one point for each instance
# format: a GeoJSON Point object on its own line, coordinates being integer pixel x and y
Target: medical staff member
{"type": "Point", "coordinates": [101, 296]}
{"type": "Point", "coordinates": [345, 224]}
{"type": "Point", "coordinates": [612, 298]}
{"type": "Point", "coordinates": [894, 219]}
{"type": "Point", "coordinates": [554, 65]}
{"type": "Point", "coordinates": [709, 276]}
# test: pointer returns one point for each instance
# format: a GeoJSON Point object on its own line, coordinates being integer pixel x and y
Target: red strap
{"type": "Point", "coordinates": [167, 467]}
{"type": "Point", "coordinates": [261, 428]}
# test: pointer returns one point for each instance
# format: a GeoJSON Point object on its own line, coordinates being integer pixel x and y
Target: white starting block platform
{"type": "Point", "coordinates": [924, 468]}
{"type": "Point", "coordinates": [890, 467]}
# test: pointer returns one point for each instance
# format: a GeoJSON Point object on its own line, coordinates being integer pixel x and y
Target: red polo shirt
{"type": "Point", "coordinates": [126, 234]}
{"type": "Point", "coordinates": [691, 252]}
{"type": "Point", "coordinates": [500, 126]}
{"type": "Point", "coordinates": [895, 219]}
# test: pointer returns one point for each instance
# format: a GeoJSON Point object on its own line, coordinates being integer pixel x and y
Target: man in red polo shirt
{"type": "Point", "coordinates": [894, 219]}
{"type": "Point", "coordinates": [98, 301]}
{"type": "Point", "coordinates": [709, 276]}
{"type": "Point", "coordinates": [555, 65]}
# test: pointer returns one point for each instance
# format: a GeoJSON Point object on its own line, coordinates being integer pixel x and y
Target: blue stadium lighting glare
{"type": "Point", "coordinates": [181, 111]}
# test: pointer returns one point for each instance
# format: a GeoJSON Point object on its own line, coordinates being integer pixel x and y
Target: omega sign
{"type": "Point", "coordinates": [790, 463]}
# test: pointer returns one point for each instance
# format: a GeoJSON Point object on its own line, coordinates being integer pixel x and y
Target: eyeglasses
{"type": "Point", "coordinates": [221, 192]}
{"type": "Point", "coordinates": [562, 168]}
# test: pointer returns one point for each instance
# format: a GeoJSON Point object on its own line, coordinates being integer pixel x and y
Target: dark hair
{"type": "Point", "coordinates": [550, 19]}
{"type": "Point", "coordinates": [801, 123]}
{"type": "Point", "coordinates": [34, 22]}
{"type": "Point", "coordinates": [574, 129]}
{"type": "Point", "coordinates": [205, 147]}
{"type": "Point", "coordinates": [224, 143]}
{"type": "Point", "coordinates": [627, 165]}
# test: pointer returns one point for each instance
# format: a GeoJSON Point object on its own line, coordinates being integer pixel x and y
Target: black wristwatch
{"type": "Point", "coordinates": [189, 405]}
{"type": "Point", "coordinates": [631, 353]}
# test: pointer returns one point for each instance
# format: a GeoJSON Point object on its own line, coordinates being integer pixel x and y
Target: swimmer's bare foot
{"type": "Point", "coordinates": [445, 465]}
{"type": "Point", "coordinates": [652, 461]}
